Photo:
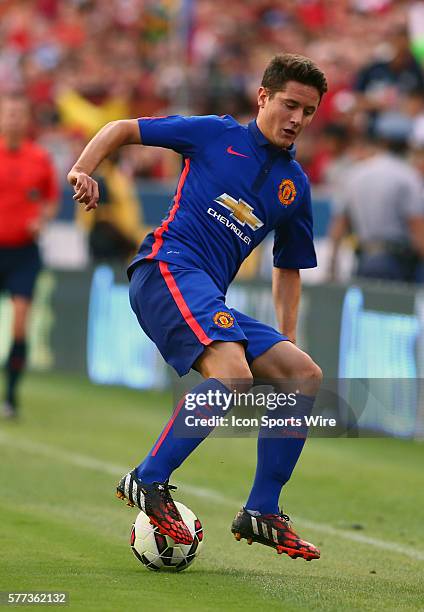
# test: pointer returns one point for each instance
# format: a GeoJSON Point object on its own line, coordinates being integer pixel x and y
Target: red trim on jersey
{"type": "Point", "coordinates": [161, 117]}
{"type": "Point", "coordinates": [164, 227]}
{"type": "Point", "coordinates": [168, 427]}
{"type": "Point", "coordinates": [182, 304]}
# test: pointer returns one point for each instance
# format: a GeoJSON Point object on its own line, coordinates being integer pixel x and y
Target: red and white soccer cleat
{"type": "Point", "coordinates": [272, 530]}
{"type": "Point", "coordinates": [155, 500]}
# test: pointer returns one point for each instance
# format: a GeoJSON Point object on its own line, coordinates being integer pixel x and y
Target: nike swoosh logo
{"type": "Point", "coordinates": [232, 152]}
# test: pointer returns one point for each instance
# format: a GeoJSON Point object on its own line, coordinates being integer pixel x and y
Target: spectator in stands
{"type": "Point", "coordinates": [382, 204]}
{"type": "Point", "coordinates": [28, 199]}
{"type": "Point", "coordinates": [382, 83]}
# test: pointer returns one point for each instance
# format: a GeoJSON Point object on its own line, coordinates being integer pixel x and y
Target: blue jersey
{"type": "Point", "coordinates": [235, 188]}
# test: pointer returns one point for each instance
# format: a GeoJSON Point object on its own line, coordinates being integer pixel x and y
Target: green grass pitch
{"type": "Point", "coordinates": [61, 529]}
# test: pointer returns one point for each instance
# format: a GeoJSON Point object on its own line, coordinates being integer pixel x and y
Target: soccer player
{"type": "Point", "coordinates": [28, 199]}
{"type": "Point", "coordinates": [237, 184]}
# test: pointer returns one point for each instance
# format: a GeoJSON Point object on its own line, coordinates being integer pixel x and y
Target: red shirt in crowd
{"type": "Point", "coordinates": [27, 182]}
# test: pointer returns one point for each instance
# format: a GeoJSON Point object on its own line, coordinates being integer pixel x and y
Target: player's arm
{"type": "Point", "coordinates": [286, 289]}
{"type": "Point", "coordinates": [112, 136]}
{"type": "Point", "coordinates": [293, 250]}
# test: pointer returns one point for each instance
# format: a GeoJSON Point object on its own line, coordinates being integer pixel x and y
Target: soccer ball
{"type": "Point", "coordinates": [159, 552]}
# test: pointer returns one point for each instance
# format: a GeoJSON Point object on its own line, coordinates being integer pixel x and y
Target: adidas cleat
{"type": "Point", "coordinates": [156, 501]}
{"type": "Point", "coordinates": [272, 530]}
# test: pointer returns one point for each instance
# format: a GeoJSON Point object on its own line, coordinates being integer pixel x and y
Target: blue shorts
{"type": "Point", "coordinates": [182, 311]}
{"type": "Point", "coordinates": [19, 268]}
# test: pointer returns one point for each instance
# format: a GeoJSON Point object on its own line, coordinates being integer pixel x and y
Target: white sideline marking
{"type": "Point", "coordinates": [90, 463]}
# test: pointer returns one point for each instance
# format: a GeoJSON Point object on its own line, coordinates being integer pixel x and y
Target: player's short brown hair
{"type": "Point", "coordinates": [289, 67]}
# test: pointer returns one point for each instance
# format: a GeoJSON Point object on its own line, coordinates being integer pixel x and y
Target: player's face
{"type": "Point", "coordinates": [282, 117]}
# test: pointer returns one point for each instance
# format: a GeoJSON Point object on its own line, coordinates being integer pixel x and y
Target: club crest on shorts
{"type": "Point", "coordinates": [223, 319]}
{"type": "Point", "coordinates": [286, 192]}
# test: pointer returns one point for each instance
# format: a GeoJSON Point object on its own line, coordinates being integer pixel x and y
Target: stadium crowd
{"type": "Point", "coordinates": [85, 62]}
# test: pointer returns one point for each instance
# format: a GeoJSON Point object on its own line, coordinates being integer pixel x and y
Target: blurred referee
{"type": "Point", "coordinates": [28, 199]}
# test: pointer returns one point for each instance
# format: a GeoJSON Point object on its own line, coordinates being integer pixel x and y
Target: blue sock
{"type": "Point", "coordinates": [177, 441]}
{"type": "Point", "coordinates": [277, 457]}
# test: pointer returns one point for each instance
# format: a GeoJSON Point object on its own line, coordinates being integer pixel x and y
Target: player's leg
{"type": "Point", "coordinates": [277, 456]}
{"type": "Point", "coordinates": [147, 485]}
{"type": "Point", "coordinates": [179, 309]}
{"type": "Point", "coordinates": [184, 314]}
{"type": "Point", "coordinates": [224, 368]}
{"type": "Point", "coordinates": [280, 363]}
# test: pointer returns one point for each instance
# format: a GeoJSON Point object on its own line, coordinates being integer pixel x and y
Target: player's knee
{"type": "Point", "coordinates": [302, 368]}
{"type": "Point", "coordinates": [311, 378]}
{"type": "Point", "coordinates": [237, 376]}
{"type": "Point", "coordinates": [240, 379]}
{"type": "Point", "coordinates": [309, 372]}
{"type": "Point", "coordinates": [312, 372]}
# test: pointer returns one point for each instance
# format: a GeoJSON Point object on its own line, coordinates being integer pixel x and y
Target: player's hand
{"type": "Point", "coordinates": [86, 189]}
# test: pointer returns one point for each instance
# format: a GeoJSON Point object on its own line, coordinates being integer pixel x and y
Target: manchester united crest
{"type": "Point", "coordinates": [223, 319]}
{"type": "Point", "coordinates": [286, 192]}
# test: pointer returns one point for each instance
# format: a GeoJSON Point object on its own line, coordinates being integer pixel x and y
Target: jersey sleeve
{"type": "Point", "coordinates": [293, 241]}
{"type": "Point", "coordinates": [185, 135]}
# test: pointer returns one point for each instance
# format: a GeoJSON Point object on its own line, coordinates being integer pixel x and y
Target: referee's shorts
{"type": "Point", "coordinates": [19, 268]}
